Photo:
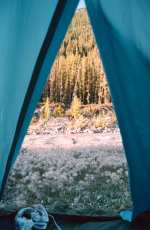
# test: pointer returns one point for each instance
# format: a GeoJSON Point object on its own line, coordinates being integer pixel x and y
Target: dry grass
{"type": "Point", "coordinates": [79, 182]}
{"type": "Point", "coordinates": [80, 116]}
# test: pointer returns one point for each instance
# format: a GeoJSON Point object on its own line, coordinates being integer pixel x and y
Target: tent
{"type": "Point", "coordinates": [30, 35]}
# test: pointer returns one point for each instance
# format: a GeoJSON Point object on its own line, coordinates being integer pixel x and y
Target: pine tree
{"type": "Point", "coordinates": [78, 70]}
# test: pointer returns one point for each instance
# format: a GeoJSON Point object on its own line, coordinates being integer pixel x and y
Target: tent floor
{"type": "Point", "coordinates": [7, 222]}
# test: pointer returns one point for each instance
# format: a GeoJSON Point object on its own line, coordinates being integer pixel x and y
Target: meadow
{"type": "Point", "coordinates": [76, 171]}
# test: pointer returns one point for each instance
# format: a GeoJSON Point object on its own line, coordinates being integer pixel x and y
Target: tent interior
{"type": "Point", "coordinates": [122, 37]}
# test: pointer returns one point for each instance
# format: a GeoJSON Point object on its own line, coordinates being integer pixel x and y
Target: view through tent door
{"type": "Point", "coordinates": [72, 159]}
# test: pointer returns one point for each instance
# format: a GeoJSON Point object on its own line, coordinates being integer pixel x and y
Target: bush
{"type": "Point", "coordinates": [58, 111]}
{"type": "Point", "coordinates": [86, 111]}
{"type": "Point", "coordinates": [75, 109]}
{"type": "Point", "coordinates": [45, 110]}
{"type": "Point", "coordinates": [52, 110]}
{"type": "Point", "coordinates": [80, 123]}
{"type": "Point", "coordinates": [100, 121]}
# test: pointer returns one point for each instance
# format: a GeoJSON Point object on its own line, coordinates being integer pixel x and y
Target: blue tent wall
{"type": "Point", "coordinates": [20, 42]}
{"type": "Point", "coordinates": [123, 36]}
{"type": "Point", "coordinates": [30, 36]}
{"type": "Point", "coordinates": [31, 33]}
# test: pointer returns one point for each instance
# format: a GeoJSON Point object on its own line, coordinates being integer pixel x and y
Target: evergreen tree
{"type": "Point", "coordinates": [78, 70]}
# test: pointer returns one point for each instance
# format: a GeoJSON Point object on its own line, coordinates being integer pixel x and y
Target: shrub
{"type": "Point", "coordinates": [45, 110]}
{"type": "Point", "coordinates": [80, 123]}
{"type": "Point", "coordinates": [87, 112]}
{"type": "Point", "coordinates": [75, 109]}
{"type": "Point", "coordinates": [58, 111]}
{"type": "Point", "coordinates": [100, 121]}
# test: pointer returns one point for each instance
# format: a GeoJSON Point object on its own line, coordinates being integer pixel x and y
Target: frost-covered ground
{"type": "Point", "coordinates": [82, 173]}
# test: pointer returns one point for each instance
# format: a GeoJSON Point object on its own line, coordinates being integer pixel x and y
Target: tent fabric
{"type": "Point", "coordinates": [7, 222]}
{"type": "Point", "coordinates": [67, 222]}
{"type": "Point", "coordinates": [31, 34]}
{"type": "Point", "coordinates": [123, 33]}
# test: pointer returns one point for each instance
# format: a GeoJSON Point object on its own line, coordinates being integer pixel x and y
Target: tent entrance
{"type": "Point", "coordinates": [72, 159]}
{"type": "Point", "coordinates": [29, 46]}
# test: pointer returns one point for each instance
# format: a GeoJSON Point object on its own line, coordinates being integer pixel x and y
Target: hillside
{"type": "Point", "coordinates": [77, 69]}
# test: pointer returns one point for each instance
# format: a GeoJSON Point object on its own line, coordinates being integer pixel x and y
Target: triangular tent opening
{"type": "Point", "coordinates": [74, 162]}
{"type": "Point", "coordinates": [31, 34]}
